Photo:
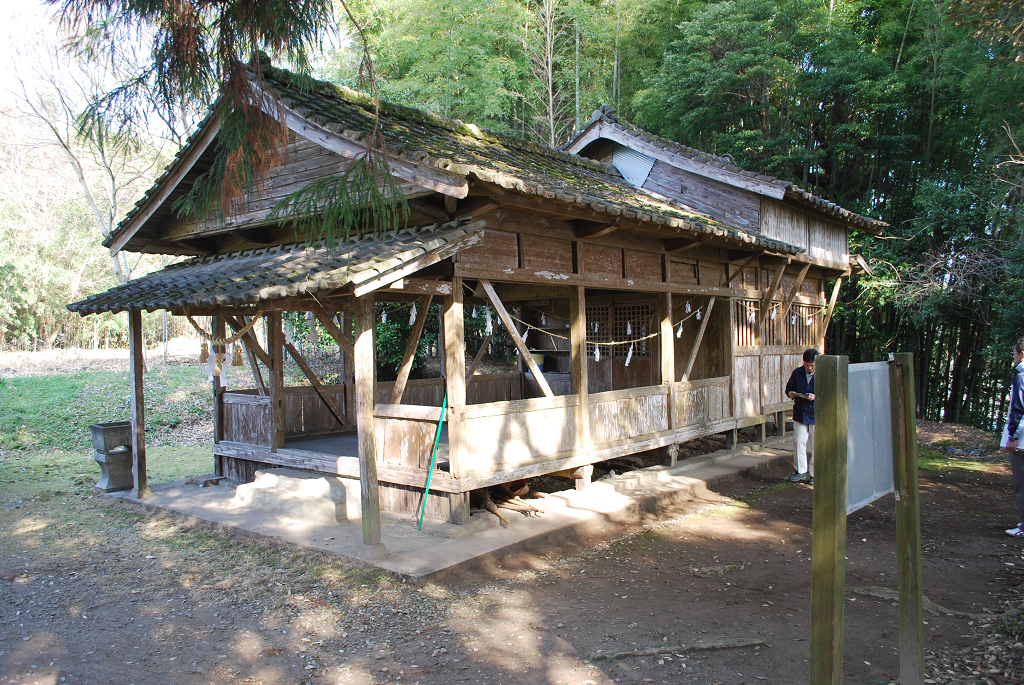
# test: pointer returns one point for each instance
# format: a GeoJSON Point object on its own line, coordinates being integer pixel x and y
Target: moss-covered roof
{"type": "Point", "coordinates": [515, 164]}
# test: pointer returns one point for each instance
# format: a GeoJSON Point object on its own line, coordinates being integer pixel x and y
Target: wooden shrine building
{"type": "Point", "coordinates": [668, 293]}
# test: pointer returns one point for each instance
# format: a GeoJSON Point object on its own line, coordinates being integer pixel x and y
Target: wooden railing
{"type": "Point", "coordinates": [246, 417]}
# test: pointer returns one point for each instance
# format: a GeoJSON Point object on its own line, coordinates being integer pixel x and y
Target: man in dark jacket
{"type": "Point", "coordinates": [1014, 433]}
{"type": "Point", "coordinates": [800, 389]}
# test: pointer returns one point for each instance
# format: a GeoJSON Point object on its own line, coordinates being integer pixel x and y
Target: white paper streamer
{"type": "Point", "coordinates": [597, 353]}
{"type": "Point", "coordinates": [543, 319]}
{"type": "Point", "coordinates": [679, 333]}
{"type": "Point", "coordinates": [629, 328]}
{"type": "Point", "coordinates": [526, 333]}
{"type": "Point", "coordinates": [687, 306]}
{"type": "Point", "coordinates": [488, 326]}
{"type": "Point", "coordinates": [810, 319]}
{"type": "Point", "coordinates": [412, 314]}
{"type": "Point", "coordinates": [629, 354]}
{"type": "Point", "coordinates": [474, 311]}
{"type": "Point", "coordinates": [792, 320]}
{"type": "Point", "coordinates": [384, 316]}
{"type": "Point", "coordinates": [698, 315]}
{"type": "Point", "coordinates": [773, 314]}
{"type": "Point", "coordinates": [751, 318]}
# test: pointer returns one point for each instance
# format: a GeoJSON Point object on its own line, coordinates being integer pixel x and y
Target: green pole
{"type": "Point", "coordinates": [433, 459]}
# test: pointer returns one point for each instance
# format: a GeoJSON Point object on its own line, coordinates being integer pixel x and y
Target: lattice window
{"type": "Point", "coordinates": [745, 313]}
{"type": "Point", "coordinates": [802, 324]}
{"type": "Point", "coordinates": [632, 322]}
{"type": "Point", "coordinates": [598, 327]}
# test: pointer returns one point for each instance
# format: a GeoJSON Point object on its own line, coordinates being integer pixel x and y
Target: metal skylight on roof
{"type": "Point", "coordinates": [634, 166]}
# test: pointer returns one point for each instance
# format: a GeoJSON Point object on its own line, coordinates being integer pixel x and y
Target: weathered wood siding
{"type": "Point", "coordinates": [502, 435]}
{"type": "Point", "coordinates": [722, 202]}
{"type": "Point", "coordinates": [823, 239]}
{"type": "Point", "coordinates": [621, 414]}
{"type": "Point", "coordinates": [746, 380]}
{"type": "Point", "coordinates": [246, 418]}
{"type": "Point", "coordinates": [404, 441]}
{"type": "Point", "coordinates": [695, 403]}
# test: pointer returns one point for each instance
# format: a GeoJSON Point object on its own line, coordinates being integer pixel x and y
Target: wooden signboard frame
{"type": "Point", "coordinates": [828, 560]}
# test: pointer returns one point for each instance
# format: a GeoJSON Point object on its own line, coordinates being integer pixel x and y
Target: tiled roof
{"type": "Point", "coordinates": [609, 117]}
{"type": "Point", "coordinates": [252, 276]}
{"type": "Point", "coordinates": [466, 150]}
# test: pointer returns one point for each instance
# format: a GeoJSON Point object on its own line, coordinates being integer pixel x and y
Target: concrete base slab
{"type": "Point", "coordinates": [440, 549]}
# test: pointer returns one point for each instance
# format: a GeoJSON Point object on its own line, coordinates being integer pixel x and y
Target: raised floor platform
{"type": "Point", "coordinates": [441, 549]}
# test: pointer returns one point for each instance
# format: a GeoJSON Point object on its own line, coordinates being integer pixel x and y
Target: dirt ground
{"type": "Point", "coordinates": [97, 591]}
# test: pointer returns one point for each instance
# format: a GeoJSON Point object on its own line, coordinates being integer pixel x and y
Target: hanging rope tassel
{"type": "Point", "coordinates": [236, 358]}
{"type": "Point", "coordinates": [204, 352]}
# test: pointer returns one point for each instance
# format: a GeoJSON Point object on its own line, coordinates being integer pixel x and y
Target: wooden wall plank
{"type": "Point", "coordinates": [734, 206]}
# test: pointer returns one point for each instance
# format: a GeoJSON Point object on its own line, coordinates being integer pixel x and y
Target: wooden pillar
{"type": "Point", "coordinates": [578, 352]}
{"type": "Point", "coordinates": [908, 518]}
{"type": "Point", "coordinates": [731, 438]}
{"type": "Point", "coordinates": [828, 546]}
{"type": "Point", "coordinates": [366, 381]}
{"type": "Point", "coordinates": [455, 378]}
{"type": "Point", "coordinates": [828, 313]}
{"type": "Point", "coordinates": [780, 424]}
{"type": "Point", "coordinates": [583, 476]}
{"type": "Point", "coordinates": [275, 350]}
{"type": "Point", "coordinates": [220, 358]}
{"type": "Point", "coordinates": [138, 405]}
{"type": "Point", "coordinates": [667, 349]}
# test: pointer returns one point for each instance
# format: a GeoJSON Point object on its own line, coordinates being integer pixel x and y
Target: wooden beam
{"type": "Point", "coordinates": [679, 244]}
{"type": "Point", "coordinates": [257, 375]}
{"type": "Point", "coordinates": [252, 344]}
{"type": "Point", "coordinates": [700, 337]}
{"type": "Point", "coordinates": [580, 365]}
{"type": "Point", "coordinates": [451, 204]}
{"type": "Point", "coordinates": [410, 349]}
{"type": "Point", "coordinates": [524, 352]}
{"type": "Point", "coordinates": [366, 380]}
{"type": "Point", "coordinates": [324, 317]}
{"type": "Point", "coordinates": [422, 286]}
{"type": "Point", "coordinates": [828, 546]}
{"type": "Point", "coordinates": [908, 517]}
{"type": "Point", "coordinates": [140, 487]}
{"type": "Point", "coordinates": [275, 343]}
{"type": "Point", "coordinates": [473, 236]}
{"type": "Point", "coordinates": [477, 358]}
{"type": "Point", "coordinates": [595, 229]}
{"type": "Point", "coordinates": [455, 379]}
{"type": "Point", "coordinates": [788, 302]}
{"type": "Point", "coordinates": [741, 267]}
{"type": "Point", "coordinates": [196, 150]}
{"type": "Point", "coordinates": [315, 382]}
{"type": "Point", "coordinates": [770, 295]}
{"type": "Point", "coordinates": [828, 314]}
{"type": "Point", "coordinates": [426, 209]}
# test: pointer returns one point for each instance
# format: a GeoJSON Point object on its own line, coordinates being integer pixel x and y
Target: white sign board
{"type": "Point", "coordinates": [869, 466]}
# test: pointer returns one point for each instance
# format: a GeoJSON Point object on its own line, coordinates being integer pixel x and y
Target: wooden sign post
{"type": "Point", "coordinates": [828, 547]}
{"type": "Point", "coordinates": [828, 561]}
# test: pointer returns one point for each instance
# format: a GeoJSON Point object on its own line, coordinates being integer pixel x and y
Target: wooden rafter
{"type": "Point", "coordinates": [679, 244]}
{"type": "Point", "coordinates": [315, 382]}
{"type": "Point", "coordinates": [410, 349]}
{"type": "Point", "coordinates": [700, 337]}
{"type": "Point", "coordinates": [524, 351]}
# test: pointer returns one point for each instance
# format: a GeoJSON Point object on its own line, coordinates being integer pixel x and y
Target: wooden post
{"type": "Point", "coordinates": [455, 377]}
{"type": "Point", "coordinates": [828, 314]}
{"type": "Point", "coordinates": [668, 345]}
{"type": "Point", "coordinates": [138, 405]}
{"type": "Point", "coordinates": [908, 518]}
{"type": "Point", "coordinates": [220, 357]}
{"type": "Point", "coordinates": [580, 372]}
{"type": "Point", "coordinates": [275, 350]}
{"type": "Point", "coordinates": [366, 381]}
{"type": "Point", "coordinates": [583, 476]}
{"type": "Point", "coordinates": [828, 546]}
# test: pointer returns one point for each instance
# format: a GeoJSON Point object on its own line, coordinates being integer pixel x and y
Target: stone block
{"type": "Point", "coordinates": [115, 470]}
{"type": "Point", "coordinates": [306, 495]}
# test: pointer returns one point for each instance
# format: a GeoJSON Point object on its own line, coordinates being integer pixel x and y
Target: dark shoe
{"type": "Point", "coordinates": [799, 477]}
